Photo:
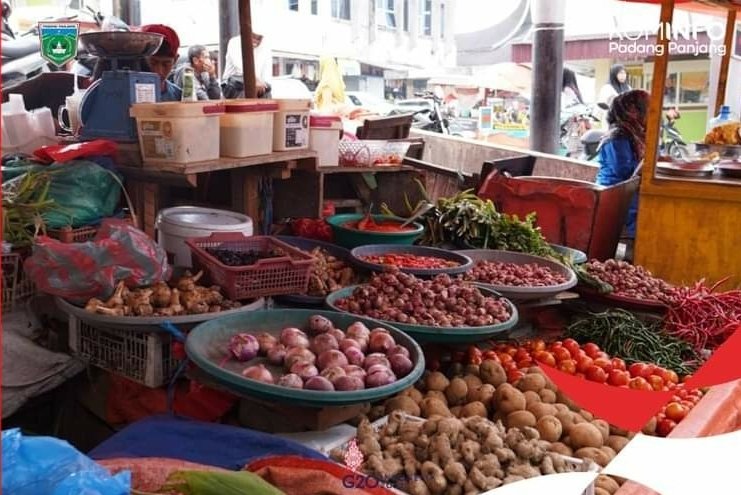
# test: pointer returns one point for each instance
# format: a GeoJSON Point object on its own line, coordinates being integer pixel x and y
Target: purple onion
{"type": "Point", "coordinates": [244, 346]}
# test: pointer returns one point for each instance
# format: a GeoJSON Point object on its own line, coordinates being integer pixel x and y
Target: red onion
{"type": "Point", "coordinates": [348, 383]}
{"type": "Point", "coordinates": [318, 383]}
{"type": "Point", "coordinates": [401, 365]}
{"type": "Point", "coordinates": [323, 342]}
{"type": "Point", "coordinates": [375, 368]}
{"type": "Point", "coordinates": [243, 346]}
{"type": "Point", "coordinates": [320, 324]}
{"type": "Point", "coordinates": [332, 373]}
{"type": "Point", "coordinates": [304, 369]}
{"type": "Point", "coordinates": [355, 356]}
{"type": "Point", "coordinates": [359, 332]}
{"type": "Point", "coordinates": [267, 342]}
{"type": "Point", "coordinates": [259, 372]}
{"type": "Point", "coordinates": [379, 377]}
{"type": "Point", "coordinates": [277, 354]}
{"type": "Point", "coordinates": [293, 337]}
{"type": "Point", "coordinates": [291, 380]}
{"type": "Point", "coordinates": [330, 358]}
{"type": "Point", "coordinates": [380, 342]}
{"type": "Point", "coordinates": [337, 334]}
{"type": "Point", "coordinates": [345, 343]}
{"type": "Point", "coordinates": [398, 349]}
{"type": "Point", "coordinates": [355, 371]}
{"type": "Point", "coordinates": [376, 358]}
{"type": "Point", "coordinates": [296, 354]}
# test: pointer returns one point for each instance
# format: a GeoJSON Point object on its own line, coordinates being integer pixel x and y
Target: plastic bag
{"type": "Point", "coordinates": [36, 465]}
{"type": "Point", "coordinates": [84, 193]}
{"type": "Point", "coordinates": [83, 270]}
{"type": "Point", "coordinates": [66, 152]}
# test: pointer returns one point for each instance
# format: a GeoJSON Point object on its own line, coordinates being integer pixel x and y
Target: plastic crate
{"type": "Point", "coordinates": [144, 357]}
{"type": "Point", "coordinates": [371, 153]}
{"type": "Point", "coordinates": [267, 277]}
{"type": "Point", "coordinates": [17, 287]}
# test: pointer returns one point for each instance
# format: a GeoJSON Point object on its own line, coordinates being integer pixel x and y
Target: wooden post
{"type": "Point", "coordinates": [248, 55]}
{"type": "Point", "coordinates": [725, 63]}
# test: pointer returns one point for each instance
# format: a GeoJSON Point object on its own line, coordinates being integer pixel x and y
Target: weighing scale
{"type": "Point", "coordinates": [104, 110]}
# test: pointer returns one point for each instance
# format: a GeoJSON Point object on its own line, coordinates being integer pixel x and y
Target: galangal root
{"type": "Point", "coordinates": [183, 297]}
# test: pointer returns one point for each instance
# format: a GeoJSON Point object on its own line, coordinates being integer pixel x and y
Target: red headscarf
{"type": "Point", "coordinates": [170, 43]}
{"type": "Point", "coordinates": [627, 119]}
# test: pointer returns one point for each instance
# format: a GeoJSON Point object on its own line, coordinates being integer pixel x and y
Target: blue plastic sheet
{"type": "Point", "coordinates": [46, 465]}
{"type": "Point", "coordinates": [218, 445]}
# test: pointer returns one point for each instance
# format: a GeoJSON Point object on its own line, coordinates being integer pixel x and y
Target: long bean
{"type": "Point", "coordinates": [621, 334]}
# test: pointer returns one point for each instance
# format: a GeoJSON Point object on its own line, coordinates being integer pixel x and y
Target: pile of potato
{"type": "Point", "coordinates": [533, 402]}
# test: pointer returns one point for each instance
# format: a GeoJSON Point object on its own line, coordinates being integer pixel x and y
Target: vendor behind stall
{"type": "Point", "coordinates": [624, 146]}
{"type": "Point", "coordinates": [162, 62]}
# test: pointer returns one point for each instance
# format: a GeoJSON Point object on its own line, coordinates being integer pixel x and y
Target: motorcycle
{"type": "Point", "coordinates": [21, 57]}
{"type": "Point", "coordinates": [575, 122]}
{"type": "Point", "coordinates": [671, 138]}
{"type": "Point", "coordinates": [429, 119]}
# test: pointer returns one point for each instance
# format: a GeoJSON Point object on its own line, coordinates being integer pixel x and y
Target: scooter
{"type": "Point", "coordinates": [671, 138]}
{"type": "Point", "coordinates": [575, 122]}
{"type": "Point", "coordinates": [21, 57]}
{"type": "Point", "coordinates": [432, 119]}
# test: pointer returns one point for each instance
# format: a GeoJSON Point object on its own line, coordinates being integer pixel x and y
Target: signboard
{"type": "Point", "coordinates": [59, 41]}
{"type": "Point", "coordinates": [486, 119]}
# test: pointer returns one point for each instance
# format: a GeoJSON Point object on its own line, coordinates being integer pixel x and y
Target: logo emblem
{"type": "Point", "coordinates": [353, 456]}
{"type": "Point", "coordinates": [59, 41]}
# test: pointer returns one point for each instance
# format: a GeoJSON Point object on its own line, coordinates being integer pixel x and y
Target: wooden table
{"type": "Point", "coordinates": [147, 180]}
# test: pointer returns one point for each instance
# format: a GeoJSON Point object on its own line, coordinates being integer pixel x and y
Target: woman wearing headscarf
{"type": "Point", "coordinates": [624, 146]}
{"type": "Point", "coordinates": [618, 84]}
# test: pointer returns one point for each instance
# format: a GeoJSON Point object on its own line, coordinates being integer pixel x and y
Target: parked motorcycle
{"type": "Point", "coordinates": [575, 122]}
{"type": "Point", "coordinates": [671, 138]}
{"type": "Point", "coordinates": [429, 119]}
{"type": "Point", "coordinates": [21, 57]}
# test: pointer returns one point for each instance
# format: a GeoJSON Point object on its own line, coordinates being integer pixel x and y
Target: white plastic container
{"type": "Point", "coordinates": [324, 138]}
{"type": "Point", "coordinates": [291, 125]}
{"type": "Point", "coordinates": [175, 225]}
{"type": "Point", "coordinates": [247, 128]}
{"type": "Point", "coordinates": [178, 132]}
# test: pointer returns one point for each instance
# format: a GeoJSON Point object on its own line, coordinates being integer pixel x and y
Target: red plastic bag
{"type": "Point", "coordinates": [66, 152]}
{"type": "Point", "coordinates": [80, 271]}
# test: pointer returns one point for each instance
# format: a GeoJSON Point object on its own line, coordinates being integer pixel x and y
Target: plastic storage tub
{"type": "Point", "coordinates": [178, 132]}
{"type": "Point", "coordinates": [291, 125]}
{"type": "Point", "coordinates": [247, 128]}
{"type": "Point", "coordinates": [176, 225]}
{"type": "Point", "coordinates": [325, 139]}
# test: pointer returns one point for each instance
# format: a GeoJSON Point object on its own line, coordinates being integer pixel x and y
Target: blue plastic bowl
{"type": "Point", "coordinates": [352, 238]}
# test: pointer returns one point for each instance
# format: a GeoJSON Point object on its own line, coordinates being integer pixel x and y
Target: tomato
{"type": "Point", "coordinates": [583, 364]}
{"type": "Point", "coordinates": [618, 378]}
{"type": "Point", "coordinates": [637, 369]}
{"type": "Point", "coordinates": [513, 376]}
{"type": "Point", "coordinates": [505, 359]}
{"type": "Point", "coordinates": [592, 350]}
{"type": "Point", "coordinates": [669, 376]}
{"type": "Point", "coordinates": [561, 354]}
{"type": "Point", "coordinates": [639, 383]}
{"type": "Point", "coordinates": [511, 366]}
{"type": "Point", "coordinates": [596, 374]}
{"type": "Point", "coordinates": [546, 358]}
{"type": "Point", "coordinates": [537, 345]}
{"type": "Point", "coordinates": [521, 354]}
{"type": "Point", "coordinates": [524, 364]}
{"type": "Point", "coordinates": [686, 378]}
{"type": "Point", "coordinates": [650, 369]}
{"type": "Point", "coordinates": [491, 356]}
{"type": "Point", "coordinates": [618, 364]}
{"type": "Point", "coordinates": [603, 363]}
{"type": "Point", "coordinates": [512, 351]}
{"type": "Point", "coordinates": [567, 366]}
{"type": "Point", "coordinates": [656, 382]}
{"type": "Point", "coordinates": [665, 426]}
{"type": "Point", "coordinates": [572, 346]}
{"type": "Point", "coordinates": [676, 412]}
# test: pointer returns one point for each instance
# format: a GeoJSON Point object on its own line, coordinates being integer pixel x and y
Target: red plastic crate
{"type": "Point", "coordinates": [267, 277]}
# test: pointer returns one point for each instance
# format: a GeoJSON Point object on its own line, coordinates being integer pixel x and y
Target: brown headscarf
{"type": "Point", "coordinates": [627, 119]}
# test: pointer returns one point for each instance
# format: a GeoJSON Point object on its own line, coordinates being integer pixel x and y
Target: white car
{"type": "Point", "coordinates": [289, 88]}
{"type": "Point", "coordinates": [414, 105]}
{"type": "Point", "coordinates": [368, 102]}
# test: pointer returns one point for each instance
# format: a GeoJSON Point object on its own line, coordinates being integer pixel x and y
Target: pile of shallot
{"type": "Point", "coordinates": [440, 302]}
{"type": "Point", "coordinates": [515, 275]}
{"type": "Point", "coordinates": [324, 359]}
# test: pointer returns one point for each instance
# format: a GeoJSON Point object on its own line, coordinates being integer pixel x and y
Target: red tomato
{"type": "Point", "coordinates": [561, 354]}
{"type": "Point", "coordinates": [596, 374]}
{"type": "Point", "coordinates": [656, 382]}
{"type": "Point", "coordinates": [537, 345]}
{"type": "Point", "coordinates": [592, 349]}
{"type": "Point", "coordinates": [572, 346]}
{"type": "Point", "coordinates": [505, 359]}
{"type": "Point", "coordinates": [583, 364]}
{"type": "Point", "coordinates": [669, 376]}
{"type": "Point", "coordinates": [556, 343]}
{"type": "Point", "coordinates": [511, 366]}
{"type": "Point", "coordinates": [639, 383]}
{"type": "Point", "coordinates": [546, 358]}
{"type": "Point", "coordinates": [618, 364]}
{"type": "Point", "coordinates": [524, 364]}
{"type": "Point", "coordinates": [521, 354]}
{"type": "Point", "coordinates": [665, 426]}
{"type": "Point", "coordinates": [602, 355]}
{"type": "Point", "coordinates": [603, 363]}
{"type": "Point", "coordinates": [491, 355]}
{"type": "Point", "coordinates": [686, 378]}
{"type": "Point", "coordinates": [618, 378]}
{"type": "Point", "coordinates": [637, 369]}
{"type": "Point", "coordinates": [650, 369]}
{"type": "Point", "coordinates": [567, 366]}
{"type": "Point", "coordinates": [513, 376]}
{"type": "Point", "coordinates": [676, 411]}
